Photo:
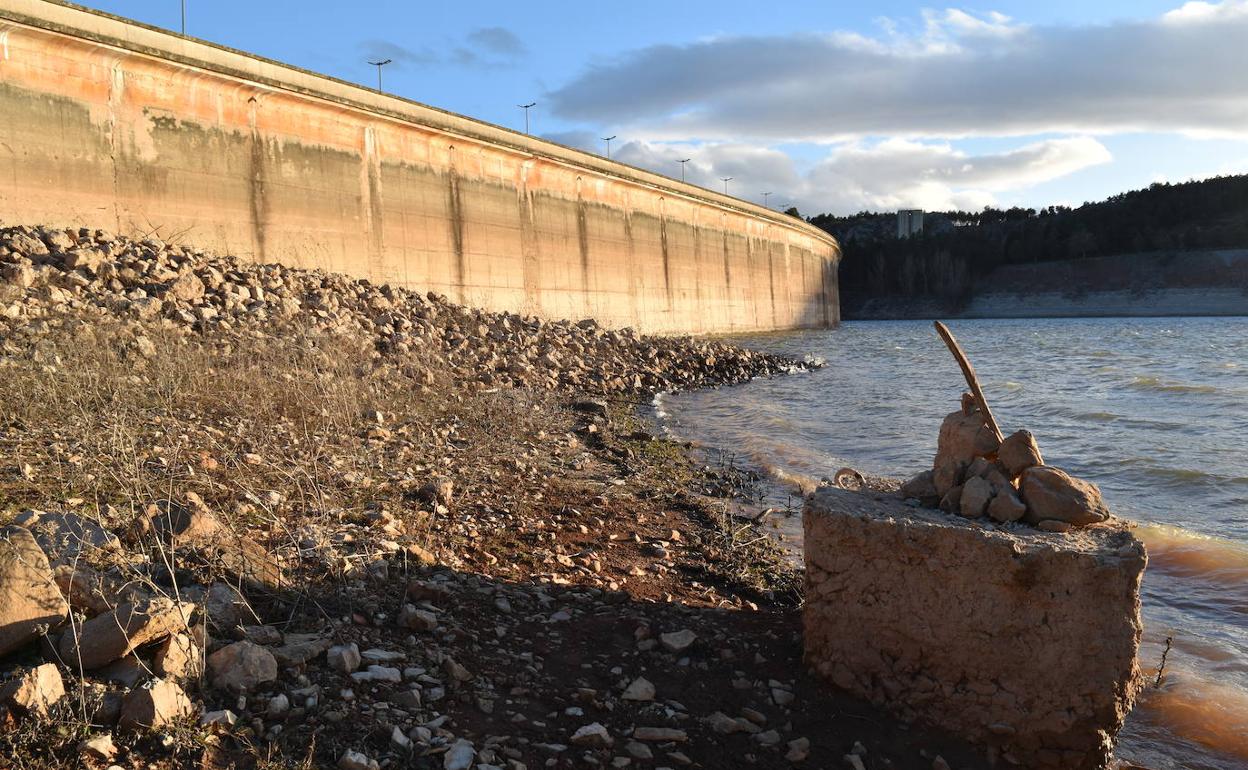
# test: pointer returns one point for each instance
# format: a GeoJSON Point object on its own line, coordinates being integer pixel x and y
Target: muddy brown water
{"type": "Point", "coordinates": [1154, 410]}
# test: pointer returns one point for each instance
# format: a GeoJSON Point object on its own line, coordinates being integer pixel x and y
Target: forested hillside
{"type": "Point", "coordinates": [958, 249]}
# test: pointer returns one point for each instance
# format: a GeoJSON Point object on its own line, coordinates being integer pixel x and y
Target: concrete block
{"type": "Point", "coordinates": [1021, 642]}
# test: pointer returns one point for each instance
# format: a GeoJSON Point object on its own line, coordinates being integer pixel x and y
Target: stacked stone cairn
{"type": "Point", "coordinates": [977, 476]}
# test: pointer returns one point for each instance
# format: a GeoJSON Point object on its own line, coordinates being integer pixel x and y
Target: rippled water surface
{"type": "Point", "coordinates": [1154, 410]}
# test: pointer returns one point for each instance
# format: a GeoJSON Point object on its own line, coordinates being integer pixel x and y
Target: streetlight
{"type": "Point", "coordinates": [183, 17]}
{"type": "Point", "coordinates": [379, 65]}
{"type": "Point", "coordinates": [765, 199]}
{"type": "Point", "coordinates": [682, 167]}
{"type": "Point", "coordinates": [526, 107]}
{"type": "Point", "coordinates": [608, 139]}
{"type": "Point", "coordinates": [725, 180]}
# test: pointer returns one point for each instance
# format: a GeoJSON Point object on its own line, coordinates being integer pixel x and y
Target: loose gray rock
{"type": "Point", "coordinates": [592, 735]}
{"type": "Point", "coordinates": [344, 658]}
{"type": "Point", "coordinates": [179, 658]}
{"type": "Point", "coordinates": [459, 756]}
{"type": "Point", "coordinates": [100, 746]}
{"type": "Point", "coordinates": [799, 750]}
{"type": "Point", "coordinates": [354, 760]}
{"type": "Point", "coordinates": [678, 641]}
{"type": "Point", "coordinates": [65, 537]}
{"type": "Point", "coordinates": [279, 706]}
{"type": "Point", "coordinates": [640, 689]}
{"type": "Point", "coordinates": [947, 475]}
{"type": "Point", "coordinates": [241, 667]}
{"type": "Point", "coordinates": [922, 488]}
{"type": "Point", "coordinates": [417, 619]}
{"type": "Point", "coordinates": [660, 734]}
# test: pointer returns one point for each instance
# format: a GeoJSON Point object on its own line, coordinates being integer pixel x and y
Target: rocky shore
{"type": "Point", "coordinates": [95, 274]}
{"type": "Point", "coordinates": [255, 516]}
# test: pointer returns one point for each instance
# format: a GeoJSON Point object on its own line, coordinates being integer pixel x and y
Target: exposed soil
{"type": "Point", "coordinates": [375, 449]}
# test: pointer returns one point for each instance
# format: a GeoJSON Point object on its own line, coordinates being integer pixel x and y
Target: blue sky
{"type": "Point", "coordinates": [830, 106]}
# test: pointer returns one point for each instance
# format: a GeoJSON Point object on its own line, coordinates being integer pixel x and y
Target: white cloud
{"type": "Point", "coordinates": [960, 75]}
{"type": "Point", "coordinates": [1197, 12]}
{"type": "Point", "coordinates": [900, 173]}
{"type": "Point", "coordinates": [881, 176]}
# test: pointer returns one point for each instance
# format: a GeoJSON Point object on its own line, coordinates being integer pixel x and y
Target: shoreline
{"type": "Point", "coordinates": [530, 573]}
{"type": "Point", "coordinates": [1163, 303]}
{"type": "Point", "coordinates": [1183, 563]}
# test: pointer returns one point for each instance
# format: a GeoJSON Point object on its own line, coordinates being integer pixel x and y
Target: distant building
{"type": "Point", "coordinates": [909, 222]}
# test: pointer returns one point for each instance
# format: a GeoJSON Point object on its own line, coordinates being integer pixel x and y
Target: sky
{"type": "Point", "coordinates": [834, 107]}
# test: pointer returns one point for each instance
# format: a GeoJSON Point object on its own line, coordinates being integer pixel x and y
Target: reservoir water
{"type": "Point", "coordinates": [1155, 411]}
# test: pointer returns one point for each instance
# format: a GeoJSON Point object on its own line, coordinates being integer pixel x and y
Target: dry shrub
{"type": "Point", "coordinates": [121, 414]}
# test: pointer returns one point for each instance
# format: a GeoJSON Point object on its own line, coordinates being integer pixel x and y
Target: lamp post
{"type": "Point", "coordinates": [682, 167]}
{"type": "Point", "coordinates": [183, 17]}
{"type": "Point", "coordinates": [526, 107]}
{"type": "Point", "coordinates": [379, 65]}
{"type": "Point", "coordinates": [608, 139]}
{"type": "Point", "coordinates": [725, 180]}
{"type": "Point", "coordinates": [765, 199]}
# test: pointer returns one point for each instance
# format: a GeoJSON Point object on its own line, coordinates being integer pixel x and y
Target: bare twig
{"type": "Point", "coordinates": [972, 380]}
{"type": "Point", "coordinates": [1161, 669]}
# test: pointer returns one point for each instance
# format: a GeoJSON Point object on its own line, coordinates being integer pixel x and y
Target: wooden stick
{"type": "Point", "coordinates": [972, 381]}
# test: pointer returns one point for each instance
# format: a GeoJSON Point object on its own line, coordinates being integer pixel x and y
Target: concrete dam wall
{"type": "Point", "coordinates": [109, 124]}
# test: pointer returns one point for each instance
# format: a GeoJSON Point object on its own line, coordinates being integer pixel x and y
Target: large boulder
{"type": "Point", "coordinates": [1052, 494]}
{"type": "Point", "coordinates": [65, 537]}
{"type": "Point", "coordinates": [30, 602]}
{"type": "Point", "coordinates": [1019, 452]}
{"type": "Point", "coordinates": [963, 437]}
{"type": "Point", "coordinates": [35, 691]}
{"type": "Point", "coordinates": [113, 635]}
